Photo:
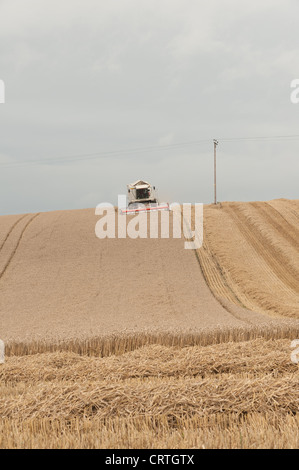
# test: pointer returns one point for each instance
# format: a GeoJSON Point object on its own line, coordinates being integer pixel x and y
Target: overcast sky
{"type": "Point", "coordinates": [108, 77]}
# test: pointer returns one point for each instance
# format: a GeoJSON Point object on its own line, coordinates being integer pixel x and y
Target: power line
{"type": "Point", "coordinates": [119, 153]}
{"type": "Point", "coordinates": [90, 156]}
{"type": "Point", "coordinates": [294, 136]}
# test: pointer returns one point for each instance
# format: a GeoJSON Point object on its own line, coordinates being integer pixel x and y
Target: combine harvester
{"type": "Point", "coordinates": [142, 198]}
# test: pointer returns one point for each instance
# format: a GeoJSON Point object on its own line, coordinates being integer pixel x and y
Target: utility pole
{"type": "Point", "coordinates": [215, 194]}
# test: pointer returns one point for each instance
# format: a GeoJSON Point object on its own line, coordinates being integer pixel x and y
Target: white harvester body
{"type": "Point", "coordinates": [142, 197]}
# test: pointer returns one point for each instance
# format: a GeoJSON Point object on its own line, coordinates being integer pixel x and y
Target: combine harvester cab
{"type": "Point", "coordinates": [142, 198]}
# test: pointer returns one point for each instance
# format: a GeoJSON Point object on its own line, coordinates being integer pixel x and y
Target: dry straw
{"type": "Point", "coordinates": [121, 343]}
{"type": "Point", "coordinates": [226, 395]}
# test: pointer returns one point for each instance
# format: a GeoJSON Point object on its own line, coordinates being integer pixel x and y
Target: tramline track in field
{"type": "Point", "coordinates": [12, 241]}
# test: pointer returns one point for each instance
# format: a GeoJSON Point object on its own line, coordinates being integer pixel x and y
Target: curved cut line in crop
{"type": "Point", "coordinates": [269, 239]}
{"type": "Point", "coordinates": [13, 252]}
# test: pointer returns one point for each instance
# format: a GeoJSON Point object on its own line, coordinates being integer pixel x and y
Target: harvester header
{"type": "Point", "coordinates": [142, 197]}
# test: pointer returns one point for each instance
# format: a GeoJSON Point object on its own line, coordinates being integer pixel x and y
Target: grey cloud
{"type": "Point", "coordinates": [97, 76]}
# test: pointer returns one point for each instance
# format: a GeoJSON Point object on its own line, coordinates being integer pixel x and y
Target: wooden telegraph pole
{"type": "Point", "coordinates": [215, 193]}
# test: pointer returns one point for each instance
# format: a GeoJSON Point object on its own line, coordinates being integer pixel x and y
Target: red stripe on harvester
{"type": "Point", "coordinates": [145, 209]}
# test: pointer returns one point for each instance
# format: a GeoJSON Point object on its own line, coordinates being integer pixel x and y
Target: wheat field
{"type": "Point", "coordinates": [250, 255]}
{"type": "Point", "coordinates": [229, 395]}
{"type": "Point", "coordinates": [193, 353]}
